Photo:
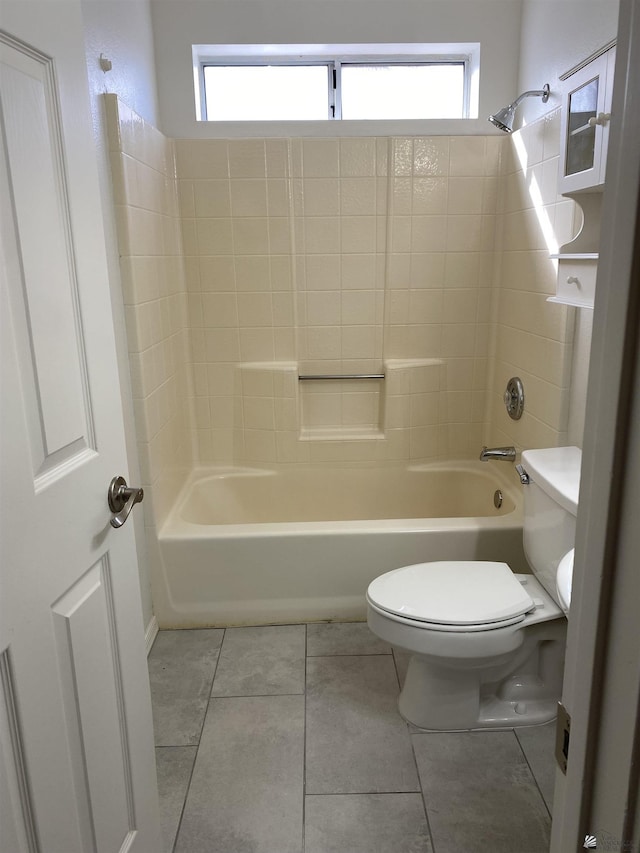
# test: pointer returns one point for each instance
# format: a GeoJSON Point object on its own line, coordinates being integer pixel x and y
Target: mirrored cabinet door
{"type": "Point", "coordinates": [585, 125]}
{"type": "Point", "coordinates": [581, 133]}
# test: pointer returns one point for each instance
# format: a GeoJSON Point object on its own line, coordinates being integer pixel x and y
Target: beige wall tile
{"type": "Point", "coordinates": [429, 195]}
{"type": "Point", "coordinates": [201, 158]}
{"type": "Point", "coordinates": [358, 197]}
{"type": "Point", "coordinates": [322, 235]}
{"type": "Point", "coordinates": [256, 345]}
{"type": "Point", "coordinates": [358, 234]}
{"type": "Point", "coordinates": [467, 156]}
{"type": "Point", "coordinates": [251, 236]}
{"type": "Point", "coordinates": [247, 158]}
{"type": "Point", "coordinates": [358, 272]}
{"type": "Point", "coordinates": [321, 197]}
{"type": "Point", "coordinates": [219, 310]}
{"type": "Point", "coordinates": [255, 309]}
{"type": "Point", "coordinates": [431, 156]}
{"type": "Point", "coordinates": [321, 158]}
{"type": "Point", "coordinates": [279, 235]}
{"type": "Point", "coordinates": [323, 308]}
{"type": "Point", "coordinates": [357, 157]}
{"type": "Point", "coordinates": [214, 236]}
{"type": "Point", "coordinates": [210, 199]}
{"type": "Point", "coordinates": [323, 272]}
{"type": "Point", "coordinates": [428, 233]}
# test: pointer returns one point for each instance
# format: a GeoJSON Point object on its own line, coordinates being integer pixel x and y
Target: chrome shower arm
{"type": "Point", "coordinates": [533, 93]}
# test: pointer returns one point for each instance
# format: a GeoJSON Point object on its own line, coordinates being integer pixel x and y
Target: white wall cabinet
{"type": "Point", "coordinates": [584, 139]}
{"type": "Point", "coordinates": [585, 125]}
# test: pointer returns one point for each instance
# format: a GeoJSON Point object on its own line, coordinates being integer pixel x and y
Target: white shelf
{"type": "Point", "coordinates": [576, 256]}
{"type": "Point", "coordinates": [567, 300]}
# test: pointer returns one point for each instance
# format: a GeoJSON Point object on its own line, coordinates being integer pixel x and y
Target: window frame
{"type": "Point", "coordinates": [334, 57]}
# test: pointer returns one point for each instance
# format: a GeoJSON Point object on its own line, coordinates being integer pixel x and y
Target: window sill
{"type": "Point", "coordinates": [332, 129]}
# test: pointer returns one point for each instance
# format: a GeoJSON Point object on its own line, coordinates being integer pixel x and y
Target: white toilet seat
{"type": "Point", "coordinates": [439, 626]}
{"type": "Point", "coordinates": [451, 596]}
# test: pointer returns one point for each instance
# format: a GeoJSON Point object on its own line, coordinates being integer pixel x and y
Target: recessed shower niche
{"type": "Point", "coordinates": [341, 406]}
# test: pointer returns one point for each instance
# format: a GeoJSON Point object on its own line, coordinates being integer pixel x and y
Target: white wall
{"type": "Point", "coordinates": [556, 35]}
{"type": "Point", "coordinates": [178, 24]}
{"type": "Point", "coordinates": [122, 32]}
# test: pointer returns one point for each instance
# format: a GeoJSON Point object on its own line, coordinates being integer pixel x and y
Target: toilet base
{"type": "Point", "coordinates": [493, 713]}
{"type": "Point", "coordinates": [522, 690]}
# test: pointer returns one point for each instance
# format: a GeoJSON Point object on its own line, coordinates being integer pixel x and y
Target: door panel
{"type": "Point", "coordinates": [77, 766]}
{"type": "Point", "coordinates": [87, 651]}
{"type": "Point", "coordinates": [52, 346]}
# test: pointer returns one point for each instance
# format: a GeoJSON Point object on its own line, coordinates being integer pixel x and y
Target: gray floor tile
{"type": "Point", "coordinates": [538, 744]}
{"type": "Point", "coordinates": [261, 661]}
{"type": "Point", "coordinates": [356, 740]}
{"type": "Point", "coordinates": [181, 669]}
{"type": "Point", "coordinates": [366, 823]}
{"type": "Point", "coordinates": [344, 638]}
{"type": "Point", "coordinates": [246, 790]}
{"type": "Point", "coordinates": [479, 793]}
{"type": "Point", "coordinates": [174, 765]}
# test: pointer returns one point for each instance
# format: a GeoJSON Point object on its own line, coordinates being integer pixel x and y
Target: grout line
{"type": "Point", "coordinates": [395, 666]}
{"type": "Point", "coordinates": [254, 696]}
{"type": "Point", "coordinates": [184, 802]}
{"type": "Point", "coordinates": [415, 760]}
{"type": "Point", "coordinates": [353, 655]}
{"type": "Point", "coordinates": [417, 793]}
{"type": "Point", "coordinates": [532, 773]}
{"type": "Point", "coordinates": [204, 717]}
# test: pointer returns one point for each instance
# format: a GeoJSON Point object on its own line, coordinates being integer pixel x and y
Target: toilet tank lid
{"type": "Point", "coordinates": [557, 471]}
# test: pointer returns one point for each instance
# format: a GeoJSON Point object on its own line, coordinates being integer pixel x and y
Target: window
{"type": "Point", "coordinates": [322, 83]}
{"type": "Point", "coordinates": [265, 92]}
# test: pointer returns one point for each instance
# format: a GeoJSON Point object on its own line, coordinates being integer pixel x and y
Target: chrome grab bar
{"type": "Point", "coordinates": [331, 377]}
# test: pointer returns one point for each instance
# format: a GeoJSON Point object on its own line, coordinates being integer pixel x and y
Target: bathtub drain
{"type": "Point", "coordinates": [497, 499]}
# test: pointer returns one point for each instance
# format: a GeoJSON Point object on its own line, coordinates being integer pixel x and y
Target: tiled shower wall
{"type": "Point", "coordinates": [339, 256]}
{"type": "Point", "coordinates": [423, 258]}
{"type": "Point", "coordinates": [144, 186]}
{"type": "Point", "coordinates": [533, 338]}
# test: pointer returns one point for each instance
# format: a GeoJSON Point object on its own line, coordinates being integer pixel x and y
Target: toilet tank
{"type": "Point", "coordinates": [550, 509]}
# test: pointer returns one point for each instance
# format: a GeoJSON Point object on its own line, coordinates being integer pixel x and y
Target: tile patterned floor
{"type": "Point", "coordinates": [287, 739]}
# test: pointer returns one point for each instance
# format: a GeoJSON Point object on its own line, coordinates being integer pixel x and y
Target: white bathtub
{"type": "Point", "coordinates": [254, 546]}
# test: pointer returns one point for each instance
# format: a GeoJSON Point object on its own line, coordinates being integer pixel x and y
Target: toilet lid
{"type": "Point", "coordinates": [452, 593]}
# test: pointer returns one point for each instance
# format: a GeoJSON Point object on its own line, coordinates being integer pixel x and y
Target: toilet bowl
{"type": "Point", "coordinates": [486, 645]}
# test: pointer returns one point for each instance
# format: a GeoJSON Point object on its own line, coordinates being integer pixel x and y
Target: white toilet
{"type": "Point", "coordinates": [487, 645]}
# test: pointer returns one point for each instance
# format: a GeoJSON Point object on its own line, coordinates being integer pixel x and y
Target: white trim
{"type": "Point", "coordinates": [418, 50]}
{"type": "Point", "coordinates": [584, 62]}
{"type": "Point", "coordinates": [150, 634]}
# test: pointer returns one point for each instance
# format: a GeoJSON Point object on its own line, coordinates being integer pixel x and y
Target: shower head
{"type": "Point", "coordinates": [503, 119]}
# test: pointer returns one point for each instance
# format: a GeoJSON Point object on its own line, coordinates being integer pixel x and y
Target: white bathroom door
{"type": "Point", "coordinates": [77, 771]}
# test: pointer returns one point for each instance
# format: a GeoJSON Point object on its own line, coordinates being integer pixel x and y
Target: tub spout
{"type": "Point", "coordinates": [507, 454]}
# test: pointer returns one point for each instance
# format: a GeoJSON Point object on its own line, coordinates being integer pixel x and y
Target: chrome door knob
{"type": "Point", "coordinates": [121, 499]}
